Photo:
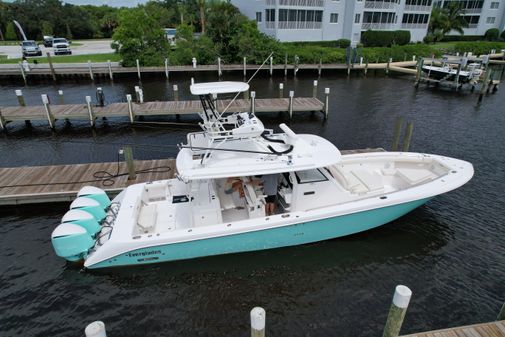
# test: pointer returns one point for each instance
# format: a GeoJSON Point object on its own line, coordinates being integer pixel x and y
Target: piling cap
{"type": "Point", "coordinates": [402, 296]}
{"type": "Point", "coordinates": [83, 202]}
{"type": "Point", "coordinates": [76, 214]}
{"type": "Point", "coordinates": [258, 318]}
{"type": "Point", "coordinates": [19, 92]}
{"type": "Point", "coordinates": [95, 329]}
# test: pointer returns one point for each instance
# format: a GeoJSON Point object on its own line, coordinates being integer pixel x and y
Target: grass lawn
{"type": "Point", "coordinates": [69, 58]}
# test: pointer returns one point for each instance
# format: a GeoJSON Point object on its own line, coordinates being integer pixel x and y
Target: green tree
{"type": "Point", "coordinates": [201, 8]}
{"type": "Point", "coordinates": [455, 19]}
{"type": "Point", "coordinates": [47, 28]}
{"type": "Point", "coordinates": [139, 36]}
{"type": "Point", "coordinates": [10, 32]}
{"type": "Point", "coordinates": [253, 44]}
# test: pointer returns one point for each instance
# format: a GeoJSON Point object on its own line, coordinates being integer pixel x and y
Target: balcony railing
{"type": "Point", "coordinates": [271, 2]}
{"type": "Point", "coordinates": [380, 5]}
{"type": "Point", "coordinates": [299, 25]}
{"type": "Point", "coordinates": [415, 8]}
{"type": "Point", "coordinates": [301, 3]}
{"type": "Point", "coordinates": [270, 25]}
{"type": "Point", "coordinates": [472, 25]}
{"type": "Point", "coordinates": [472, 10]}
{"type": "Point", "coordinates": [370, 25]}
{"type": "Point", "coordinates": [414, 25]}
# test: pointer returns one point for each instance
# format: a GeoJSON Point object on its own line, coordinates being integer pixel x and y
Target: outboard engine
{"type": "Point", "coordinates": [71, 241]}
{"type": "Point", "coordinates": [95, 193]}
{"type": "Point", "coordinates": [89, 205]}
{"type": "Point", "coordinates": [83, 219]}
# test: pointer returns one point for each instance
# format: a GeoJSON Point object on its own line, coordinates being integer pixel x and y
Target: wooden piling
{"type": "Point", "coordinates": [166, 68]}
{"type": "Point", "coordinates": [61, 97]}
{"type": "Point", "coordinates": [219, 72]}
{"type": "Point", "coordinates": [408, 136]}
{"type": "Point", "coordinates": [245, 66]}
{"type": "Point", "coordinates": [281, 90]}
{"type": "Point", "coordinates": [319, 67]}
{"type": "Point", "coordinates": [138, 68]}
{"type": "Point", "coordinates": [314, 89]}
{"type": "Point", "coordinates": [176, 92]}
{"type": "Point", "coordinates": [419, 69]}
{"type": "Point", "coordinates": [271, 65]}
{"type": "Point", "coordinates": [90, 71]}
{"type": "Point", "coordinates": [246, 94]}
{"type": "Point", "coordinates": [348, 68]}
{"type": "Point", "coordinates": [258, 322]}
{"type": "Point", "coordinates": [137, 94]}
{"type": "Point", "coordinates": [326, 102]}
{"type": "Point", "coordinates": [290, 108]}
{"type": "Point", "coordinates": [387, 66]}
{"type": "Point", "coordinates": [95, 329]}
{"type": "Point", "coordinates": [110, 70]}
{"type": "Point", "coordinates": [21, 99]}
{"type": "Point", "coordinates": [286, 65]}
{"type": "Point", "coordinates": [397, 311]}
{"type": "Point", "coordinates": [253, 101]}
{"type": "Point", "coordinates": [53, 74]}
{"type": "Point", "coordinates": [131, 113]}
{"type": "Point", "coordinates": [22, 72]}
{"type": "Point", "coordinates": [49, 115]}
{"type": "Point", "coordinates": [484, 85]}
{"type": "Point", "coordinates": [141, 96]}
{"type": "Point", "coordinates": [128, 156]}
{"type": "Point", "coordinates": [456, 82]}
{"type": "Point", "coordinates": [90, 111]}
{"type": "Point", "coordinates": [2, 121]}
{"type": "Point", "coordinates": [398, 130]}
{"type": "Point", "coordinates": [366, 67]}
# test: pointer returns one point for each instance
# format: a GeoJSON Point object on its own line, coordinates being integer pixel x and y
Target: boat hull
{"type": "Point", "coordinates": [291, 235]}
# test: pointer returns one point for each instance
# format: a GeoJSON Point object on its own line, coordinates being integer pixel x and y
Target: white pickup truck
{"type": "Point", "coordinates": [61, 46]}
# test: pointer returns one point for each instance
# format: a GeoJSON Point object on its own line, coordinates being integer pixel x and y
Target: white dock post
{"type": "Point", "coordinates": [253, 101]}
{"type": "Point", "coordinates": [219, 73]}
{"type": "Point", "coordinates": [91, 71]}
{"type": "Point", "coordinates": [326, 102]}
{"type": "Point", "coordinates": [361, 61]}
{"type": "Point", "coordinates": [166, 68]}
{"type": "Point", "coordinates": [22, 72]}
{"type": "Point", "coordinates": [271, 65]}
{"type": "Point", "coordinates": [138, 68]}
{"type": "Point", "coordinates": [319, 67]}
{"type": "Point", "coordinates": [397, 311]}
{"type": "Point", "coordinates": [281, 90]}
{"type": "Point", "coordinates": [110, 70]}
{"type": "Point", "coordinates": [49, 115]}
{"type": "Point", "coordinates": [193, 61]}
{"type": "Point", "coordinates": [60, 95]}
{"type": "Point", "coordinates": [131, 114]}
{"type": "Point", "coordinates": [90, 111]}
{"type": "Point", "coordinates": [314, 89]}
{"type": "Point", "coordinates": [290, 108]}
{"type": "Point", "coordinates": [286, 65]}
{"type": "Point", "coordinates": [21, 99]}
{"type": "Point", "coordinates": [2, 121]}
{"type": "Point", "coordinates": [192, 81]}
{"type": "Point", "coordinates": [258, 322]}
{"type": "Point", "coordinates": [141, 96]}
{"type": "Point", "coordinates": [413, 57]}
{"type": "Point", "coordinates": [137, 94]}
{"type": "Point", "coordinates": [245, 66]}
{"type": "Point", "coordinates": [95, 329]}
{"type": "Point", "coordinates": [176, 92]}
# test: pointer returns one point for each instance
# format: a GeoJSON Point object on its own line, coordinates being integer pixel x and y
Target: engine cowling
{"type": "Point", "coordinates": [71, 241]}
{"type": "Point", "coordinates": [95, 193]}
{"type": "Point", "coordinates": [83, 219]}
{"type": "Point", "coordinates": [89, 205]}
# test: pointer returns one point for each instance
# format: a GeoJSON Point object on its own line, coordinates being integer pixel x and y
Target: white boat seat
{"type": "Point", "coordinates": [414, 176]}
{"type": "Point", "coordinates": [371, 180]}
{"type": "Point", "coordinates": [156, 191]}
{"type": "Point", "coordinates": [348, 181]}
{"type": "Point", "coordinates": [147, 217]}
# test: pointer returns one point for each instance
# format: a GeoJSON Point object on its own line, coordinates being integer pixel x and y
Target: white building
{"type": "Point", "coordinates": [481, 15]}
{"type": "Point", "coordinates": [317, 20]}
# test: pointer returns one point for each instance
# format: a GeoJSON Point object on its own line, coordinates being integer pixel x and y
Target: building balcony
{"type": "Point", "coordinates": [472, 25]}
{"type": "Point", "coordinates": [299, 3]}
{"type": "Point", "coordinates": [414, 25]}
{"type": "Point", "coordinates": [467, 11]}
{"type": "Point", "coordinates": [270, 25]}
{"type": "Point", "coordinates": [377, 25]}
{"type": "Point", "coordinates": [414, 8]}
{"type": "Point", "coordinates": [380, 5]}
{"type": "Point", "coordinates": [299, 25]}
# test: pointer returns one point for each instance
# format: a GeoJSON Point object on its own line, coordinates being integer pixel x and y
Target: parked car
{"type": "Point", "coordinates": [30, 48]}
{"type": "Point", "coordinates": [48, 41]}
{"type": "Point", "coordinates": [61, 46]}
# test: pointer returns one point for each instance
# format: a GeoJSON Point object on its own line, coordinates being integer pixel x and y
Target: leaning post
{"type": "Point", "coordinates": [131, 114]}
{"type": "Point", "coordinates": [95, 329]}
{"type": "Point", "coordinates": [49, 115]}
{"type": "Point", "coordinates": [290, 108]}
{"type": "Point", "coordinates": [258, 322]}
{"type": "Point", "coordinates": [326, 102]}
{"type": "Point", "coordinates": [21, 99]}
{"type": "Point", "coordinates": [397, 311]}
{"type": "Point", "coordinates": [90, 111]}
{"type": "Point", "coordinates": [253, 101]}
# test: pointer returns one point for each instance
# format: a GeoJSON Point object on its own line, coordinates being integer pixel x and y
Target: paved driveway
{"type": "Point", "coordinates": [87, 47]}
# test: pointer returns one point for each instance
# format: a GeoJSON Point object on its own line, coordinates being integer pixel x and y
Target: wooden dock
{"type": "Point", "coordinates": [491, 329]}
{"type": "Point", "coordinates": [156, 108]}
{"type": "Point", "coordinates": [58, 183]}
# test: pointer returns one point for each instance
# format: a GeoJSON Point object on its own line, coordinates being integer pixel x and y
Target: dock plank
{"type": "Point", "coordinates": [491, 329]}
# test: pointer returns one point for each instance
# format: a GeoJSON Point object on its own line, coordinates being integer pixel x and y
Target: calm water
{"type": "Point", "coordinates": [450, 252]}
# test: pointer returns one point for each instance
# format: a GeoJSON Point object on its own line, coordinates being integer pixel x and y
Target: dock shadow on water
{"type": "Point", "coordinates": [449, 252]}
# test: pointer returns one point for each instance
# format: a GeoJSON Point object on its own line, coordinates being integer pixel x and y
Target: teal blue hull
{"type": "Point", "coordinates": [265, 239]}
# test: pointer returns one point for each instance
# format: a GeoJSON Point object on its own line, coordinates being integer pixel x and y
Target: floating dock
{"type": "Point", "coordinates": [492, 329]}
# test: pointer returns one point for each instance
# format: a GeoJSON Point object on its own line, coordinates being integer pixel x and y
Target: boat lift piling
{"type": "Point", "coordinates": [314, 89]}
{"type": "Point", "coordinates": [401, 299]}
{"type": "Point", "coordinates": [61, 97]}
{"type": "Point", "coordinates": [258, 322]}
{"type": "Point", "coordinates": [281, 90]}
{"type": "Point", "coordinates": [90, 71]}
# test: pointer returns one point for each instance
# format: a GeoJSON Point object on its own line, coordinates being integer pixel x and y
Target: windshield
{"type": "Point", "coordinates": [29, 43]}
{"type": "Point", "coordinates": [59, 40]}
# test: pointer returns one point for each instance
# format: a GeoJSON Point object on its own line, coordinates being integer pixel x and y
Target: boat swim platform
{"type": "Point", "coordinates": [60, 183]}
{"type": "Point", "coordinates": [491, 329]}
{"type": "Point", "coordinates": [156, 108]}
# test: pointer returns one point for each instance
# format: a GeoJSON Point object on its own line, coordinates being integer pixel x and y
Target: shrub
{"type": "Point", "coordinates": [376, 38]}
{"type": "Point", "coordinates": [429, 39]}
{"type": "Point", "coordinates": [344, 43]}
{"type": "Point", "coordinates": [478, 48]}
{"type": "Point", "coordinates": [452, 38]}
{"type": "Point", "coordinates": [492, 34]}
{"type": "Point", "coordinates": [503, 35]}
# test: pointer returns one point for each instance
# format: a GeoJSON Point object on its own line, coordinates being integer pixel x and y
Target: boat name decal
{"type": "Point", "coordinates": [152, 252]}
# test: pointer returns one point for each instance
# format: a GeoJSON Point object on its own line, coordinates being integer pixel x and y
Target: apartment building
{"type": "Point", "coordinates": [481, 15]}
{"type": "Point", "coordinates": [319, 20]}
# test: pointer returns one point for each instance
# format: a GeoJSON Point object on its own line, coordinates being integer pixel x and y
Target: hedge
{"type": "Point", "coordinates": [492, 34]}
{"type": "Point", "coordinates": [452, 38]}
{"type": "Point", "coordinates": [377, 38]}
{"type": "Point", "coordinates": [341, 43]}
{"type": "Point", "coordinates": [478, 48]}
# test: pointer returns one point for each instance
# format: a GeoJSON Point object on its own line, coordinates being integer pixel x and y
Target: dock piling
{"type": "Point", "coordinates": [246, 94]}
{"type": "Point", "coordinates": [95, 329]}
{"type": "Point", "coordinates": [253, 101]}
{"type": "Point", "coordinates": [408, 136]}
{"type": "Point", "coordinates": [397, 311]}
{"type": "Point", "coordinates": [281, 90]}
{"type": "Point", "coordinates": [193, 61]}
{"type": "Point", "coordinates": [131, 114]}
{"type": "Point", "coordinates": [176, 92]}
{"type": "Point", "coordinates": [314, 89]}
{"type": "Point", "coordinates": [22, 72]}
{"type": "Point", "coordinates": [166, 68]}
{"type": "Point", "coordinates": [319, 67]}
{"type": "Point", "coordinates": [110, 70]}
{"type": "Point", "coordinates": [387, 65]}
{"type": "Point", "coordinates": [21, 99]}
{"type": "Point", "coordinates": [348, 68]}
{"type": "Point", "coordinates": [366, 67]}
{"type": "Point", "coordinates": [245, 66]}
{"type": "Point", "coordinates": [219, 72]}
{"type": "Point", "coordinates": [326, 102]}
{"type": "Point", "coordinates": [53, 74]}
{"type": "Point", "coordinates": [258, 322]}
{"type": "Point", "coordinates": [419, 69]}
{"type": "Point", "coordinates": [61, 97]}
{"type": "Point", "coordinates": [141, 96]}
{"type": "Point", "coordinates": [137, 94]}
{"type": "Point", "coordinates": [290, 108]}
{"type": "Point", "coordinates": [130, 164]}
{"type": "Point", "coordinates": [484, 86]}
{"type": "Point", "coordinates": [90, 111]}
{"type": "Point", "coordinates": [138, 68]}
{"type": "Point", "coordinates": [286, 64]}
{"type": "Point", "coordinates": [398, 130]}
{"type": "Point", "coordinates": [49, 115]}
{"type": "Point", "coordinates": [90, 71]}
{"type": "Point", "coordinates": [2, 121]}
{"type": "Point", "coordinates": [271, 65]}
{"type": "Point", "coordinates": [501, 314]}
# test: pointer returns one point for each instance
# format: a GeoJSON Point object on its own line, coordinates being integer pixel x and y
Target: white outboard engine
{"type": "Point", "coordinates": [95, 193]}
{"type": "Point", "coordinates": [84, 219]}
{"type": "Point", "coordinates": [89, 205]}
{"type": "Point", "coordinates": [71, 241]}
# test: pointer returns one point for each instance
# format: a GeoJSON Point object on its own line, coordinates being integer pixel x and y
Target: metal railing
{"type": "Point", "coordinates": [303, 3]}
{"type": "Point", "coordinates": [380, 5]}
{"type": "Point", "coordinates": [415, 25]}
{"type": "Point", "coordinates": [270, 24]}
{"type": "Point", "coordinates": [377, 25]}
{"type": "Point", "coordinates": [417, 8]}
{"type": "Point", "coordinates": [299, 25]}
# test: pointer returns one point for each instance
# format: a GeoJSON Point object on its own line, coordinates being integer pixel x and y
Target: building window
{"type": "Point", "coordinates": [357, 18]}
{"type": "Point", "coordinates": [334, 18]}
{"type": "Point", "coordinates": [270, 15]}
{"type": "Point", "coordinates": [490, 20]}
{"type": "Point", "coordinates": [258, 17]}
{"type": "Point", "coordinates": [495, 5]}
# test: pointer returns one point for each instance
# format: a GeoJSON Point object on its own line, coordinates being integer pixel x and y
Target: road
{"type": "Point", "coordinates": [87, 47]}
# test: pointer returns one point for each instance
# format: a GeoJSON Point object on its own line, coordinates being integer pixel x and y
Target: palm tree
{"type": "Point", "coordinates": [201, 6]}
{"type": "Point", "coordinates": [455, 19]}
